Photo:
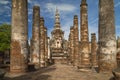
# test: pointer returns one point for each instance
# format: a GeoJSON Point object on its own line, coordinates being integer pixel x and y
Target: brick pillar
{"type": "Point", "coordinates": [94, 61]}
{"type": "Point", "coordinates": [42, 43]}
{"type": "Point", "coordinates": [84, 44]}
{"type": "Point", "coordinates": [76, 41]}
{"type": "Point", "coordinates": [19, 36]}
{"type": "Point", "coordinates": [35, 36]}
{"type": "Point", "coordinates": [107, 39]}
{"type": "Point", "coordinates": [46, 46]}
{"type": "Point", "coordinates": [72, 45]}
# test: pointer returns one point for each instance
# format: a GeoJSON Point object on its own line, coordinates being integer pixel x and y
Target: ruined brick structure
{"type": "Point", "coordinates": [76, 41]}
{"type": "Point", "coordinates": [107, 39]}
{"type": "Point", "coordinates": [35, 52]}
{"type": "Point", "coordinates": [71, 43]}
{"type": "Point", "coordinates": [84, 43]}
{"type": "Point", "coordinates": [118, 42]}
{"type": "Point", "coordinates": [94, 57]}
{"type": "Point", "coordinates": [80, 53]}
{"type": "Point", "coordinates": [19, 36]}
{"type": "Point", "coordinates": [57, 41]}
{"type": "Point", "coordinates": [118, 51]}
{"type": "Point", "coordinates": [46, 46]}
{"type": "Point", "coordinates": [116, 71]}
{"type": "Point", "coordinates": [49, 55]}
{"type": "Point", "coordinates": [42, 42]}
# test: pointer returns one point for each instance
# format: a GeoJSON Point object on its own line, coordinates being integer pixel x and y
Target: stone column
{"type": "Point", "coordinates": [94, 62]}
{"type": "Point", "coordinates": [72, 44]}
{"type": "Point", "coordinates": [118, 43]}
{"type": "Point", "coordinates": [49, 55]}
{"type": "Point", "coordinates": [84, 34]}
{"type": "Point", "coordinates": [107, 39]}
{"type": "Point", "coordinates": [46, 46]}
{"type": "Point", "coordinates": [76, 40]}
{"type": "Point", "coordinates": [36, 37]}
{"type": "Point", "coordinates": [84, 44]}
{"type": "Point", "coordinates": [69, 49]}
{"type": "Point", "coordinates": [118, 51]}
{"type": "Point", "coordinates": [19, 36]}
{"type": "Point", "coordinates": [42, 42]}
{"type": "Point", "coordinates": [116, 72]}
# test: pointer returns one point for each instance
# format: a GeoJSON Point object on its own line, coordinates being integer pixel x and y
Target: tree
{"type": "Point", "coordinates": [5, 37]}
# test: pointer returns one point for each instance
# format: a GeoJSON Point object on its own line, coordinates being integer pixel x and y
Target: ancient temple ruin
{"type": "Point", "coordinates": [35, 50]}
{"type": "Point", "coordinates": [84, 36]}
{"type": "Point", "coordinates": [77, 51]}
{"type": "Point", "coordinates": [57, 41]}
{"type": "Point", "coordinates": [42, 43]}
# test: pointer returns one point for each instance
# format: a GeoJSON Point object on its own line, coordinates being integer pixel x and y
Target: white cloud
{"type": "Point", "coordinates": [118, 4]}
{"type": "Point", "coordinates": [29, 1]}
{"type": "Point", "coordinates": [5, 9]}
{"type": "Point", "coordinates": [4, 2]}
{"type": "Point", "coordinates": [30, 11]}
{"type": "Point", "coordinates": [34, 2]}
{"type": "Point", "coordinates": [63, 8]}
{"type": "Point", "coordinates": [94, 21]}
{"type": "Point", "coordinates": [29, 20]}
{"type": "Point", "coordinates": [93, 28]}
{"type": "Point", "coordinates": [66, 28]}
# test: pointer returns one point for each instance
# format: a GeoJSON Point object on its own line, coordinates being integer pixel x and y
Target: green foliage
{"type": "Point", "coordinates": [5, 37]}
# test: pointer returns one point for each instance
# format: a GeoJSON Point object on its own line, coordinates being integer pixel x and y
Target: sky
{"type": "Point", "coordinates": [67, 10]}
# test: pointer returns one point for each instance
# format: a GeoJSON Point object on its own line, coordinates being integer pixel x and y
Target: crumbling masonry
{"type": "Point", "coordinates": [35, 52]}
{"type": "Point", "coordinates": [19, 36]}
{"type": "Point", "coordinates": [107, 39]}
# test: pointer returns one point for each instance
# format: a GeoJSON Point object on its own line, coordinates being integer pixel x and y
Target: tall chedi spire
{"type": "Point", "coordinates": [57, 20]}
{"type": "Point", "coordinates": [84, 21]}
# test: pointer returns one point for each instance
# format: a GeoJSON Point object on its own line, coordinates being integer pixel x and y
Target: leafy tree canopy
{"type": "Point", "coordinates": [5, 37]}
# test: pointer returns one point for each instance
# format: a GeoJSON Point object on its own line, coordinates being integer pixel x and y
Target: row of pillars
{"type": "Point", "coordinates": [105, 56]}
{"type": "Point", "coordinates": [75, 49]}
{"type": "Point", "coordinates": [19, 39]}
{"type": "Point", "coordinates": [80, 53]}
{"type": "Point", "coordinates": [39, 40]}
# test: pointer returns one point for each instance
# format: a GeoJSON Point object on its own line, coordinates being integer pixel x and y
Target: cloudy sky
{"type": "Point", "coordinates": [67, 9]}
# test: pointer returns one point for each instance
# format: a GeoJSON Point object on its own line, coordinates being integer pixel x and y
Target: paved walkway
{"type": "Point", "coordinates": [62, 72]}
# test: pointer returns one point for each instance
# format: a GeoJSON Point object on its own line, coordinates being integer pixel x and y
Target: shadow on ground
{"type": "Point", "coordinates": [34, 75]}
{"type": "Point", "coordinates": [112, 78]}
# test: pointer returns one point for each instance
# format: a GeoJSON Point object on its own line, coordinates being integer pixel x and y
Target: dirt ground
{"type": "Point", "coordinates": [60, 72]}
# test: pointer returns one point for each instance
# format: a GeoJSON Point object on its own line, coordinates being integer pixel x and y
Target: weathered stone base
{"type": "Point", "coordinates": [84, 67]}
{"type": "Point", "coordinates": [84, 55]}
{"type": "Point", "coordinates": [2, 73]}
{"type": "Point", "coordinates": [106, 66]}
{"type": "Point", "coordinates": [42, 65]}
{"type": "Point", "coordinates": [18, 63]}
{"type": "Point", "coordinates": [20, 68]}
{"type": "Point", "coordinates": [85, 70]}
{"type": "Point", "coordinates": [116, 73]}
{"type": "Point", "coordinates": [36, 61]}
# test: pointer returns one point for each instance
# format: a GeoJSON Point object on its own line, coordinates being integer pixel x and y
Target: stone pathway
{"type": "Point", "coordinates": [62, 72]}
